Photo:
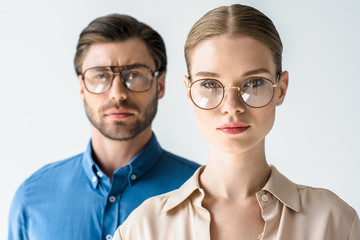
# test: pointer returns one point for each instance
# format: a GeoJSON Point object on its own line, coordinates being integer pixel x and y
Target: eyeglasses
{"type": "Point", "coordinates": [209, 93]}
{"type": "Point", "coordinates": [137, 78]}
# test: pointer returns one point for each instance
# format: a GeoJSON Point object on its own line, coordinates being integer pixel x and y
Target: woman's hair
{"type": "Point", "coordinates": [231, 21]}
{"type": "Point", "coordinates": [116, 28]}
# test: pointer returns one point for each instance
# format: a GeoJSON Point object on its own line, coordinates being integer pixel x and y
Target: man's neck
{"type": "Point", "coordinates": [112, 154]}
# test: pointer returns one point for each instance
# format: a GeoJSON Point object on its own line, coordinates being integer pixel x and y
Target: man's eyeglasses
{"type": "Point", "coordinates": [136, 78]}
{"type": "Point", "coordinates": [209, 93]}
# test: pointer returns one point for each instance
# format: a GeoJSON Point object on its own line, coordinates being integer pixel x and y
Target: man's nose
{"type": "Point", "coordinates": [118, 91]}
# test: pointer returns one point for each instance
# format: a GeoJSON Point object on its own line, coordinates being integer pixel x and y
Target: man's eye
{"type": "Point", "coordinates": [210, 84]}
{"type": "Point", "coordinates": [102, 76]}
{"type": "Point", "coordinates": [135, 75]}
{"type": "Point", "coordinates": [254, 83]}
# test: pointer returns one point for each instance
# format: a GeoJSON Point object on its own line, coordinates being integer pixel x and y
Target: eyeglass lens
{"type": "Point", "coordinates": [208, 94]}
{"type": "Point", "coordinates": [135, 78]}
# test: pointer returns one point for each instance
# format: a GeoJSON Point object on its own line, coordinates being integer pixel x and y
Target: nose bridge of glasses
{"type": "Point", "coordinates": [117, 71]}
{"type": "Point", "coordinates": [236, 88]}
{"type": "Point", "coordinates": [232, 101]}
{"type": "Point", "coordinates": [232, 87]}
{"type": "Point", "coordinates": [120, 86]}
{"type": "Point", "coordinates": [237, 97]}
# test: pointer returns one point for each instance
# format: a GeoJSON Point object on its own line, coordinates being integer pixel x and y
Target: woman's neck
{"type": "Point", "coordinates": [235, 176]}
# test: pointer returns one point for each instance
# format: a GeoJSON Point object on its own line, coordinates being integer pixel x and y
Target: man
{"type": "Point", "coordinates": [121, 66]}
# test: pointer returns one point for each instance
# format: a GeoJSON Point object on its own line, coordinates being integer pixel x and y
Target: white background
{"type": "Point", "coordinates": [315, 140]}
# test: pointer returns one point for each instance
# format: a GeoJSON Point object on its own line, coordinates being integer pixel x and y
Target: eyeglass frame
{"type": "Point", "coordinates": [274, 85]}
{"type": "Point", "coordinates": [154, 74]}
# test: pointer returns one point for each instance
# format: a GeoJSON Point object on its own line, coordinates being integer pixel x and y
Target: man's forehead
{"type": "Point", "coordinates": [130, 51]}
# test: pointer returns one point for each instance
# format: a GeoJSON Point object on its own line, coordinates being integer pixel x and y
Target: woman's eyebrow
{"type": "Point", "coordinates": [256, 71]}
{"type": "Point", "coordinates": [248, 73]}
{"type": "Point", "coordinates": [207, 74]}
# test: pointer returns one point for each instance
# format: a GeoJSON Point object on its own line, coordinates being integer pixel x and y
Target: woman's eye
{"type": "Point", "coordinates": [254, 83]}
{"type": "Point", "coordinates": [210, 84]}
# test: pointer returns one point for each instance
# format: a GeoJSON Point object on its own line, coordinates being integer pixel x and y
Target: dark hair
{"type": "Point", "coordinates": [235, 20]}
{"type": "Point", "coordinates": [117, 28]}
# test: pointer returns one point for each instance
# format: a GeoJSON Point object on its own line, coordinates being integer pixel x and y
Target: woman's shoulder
{"type": "Point", "coordinates": [152, 218]}
{"type": "Point", "coordinates": [311, 201]}
{"type": "Point", "coordinates": [324, 200]}
{"type": "Point", "coordinates": [152, 206]}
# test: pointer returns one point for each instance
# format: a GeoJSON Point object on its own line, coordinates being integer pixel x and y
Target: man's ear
{"type": "Point", "coordinates": [82, 87]}
{"type": "Point", "coordinates": [161, 85]}
{"type": "Point", "coordinates": [283, 85]}
{"type": "Point", "coordinates": [187, 85]}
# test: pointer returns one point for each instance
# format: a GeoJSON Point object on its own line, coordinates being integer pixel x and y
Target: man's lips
{"type": "Point", "coordinates": [233, 128]}
{"type": "Point", "coordinates": [118, 114]}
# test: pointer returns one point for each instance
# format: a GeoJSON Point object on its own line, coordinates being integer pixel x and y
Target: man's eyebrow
{"type": "Point", "coordinates": [256, 71]}
{"type": "Point", "coordinates": [207, 74]}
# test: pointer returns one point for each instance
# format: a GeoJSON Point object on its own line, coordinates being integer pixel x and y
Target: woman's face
{"type": "Point", "coordinates": [233, 126]}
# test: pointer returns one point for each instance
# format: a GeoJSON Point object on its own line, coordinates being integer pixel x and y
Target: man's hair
{"type": "Point", "coordinates": [116, 28]}
{"type": "Point", "coordinates": [232, 21]}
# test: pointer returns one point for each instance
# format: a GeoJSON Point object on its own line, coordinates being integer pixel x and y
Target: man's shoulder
{"type": "Point", "coordinates": [45, 178]}
{"type": "Point", "coordinates": [57, 166]}
{"type": "Point", "coordinates": [50, 172]}
{"type": "Point", "coordinates": [172, 171]}
{"type": "Point", "coordinates": [174, 159]}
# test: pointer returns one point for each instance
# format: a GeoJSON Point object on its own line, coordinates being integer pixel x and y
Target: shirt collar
{"type": "Point", "coordinates": [283, 189]}
{"type": "Point", "coordinates": [188, 188]}
{"type": "Point", "coordinates": [91, 169]}
{"type": "Point", "coordinates": [138, 166]}
{"type": "Point", "coordinates": [145, 160]}
{"type": "Point", "coordinates": [278, 185]}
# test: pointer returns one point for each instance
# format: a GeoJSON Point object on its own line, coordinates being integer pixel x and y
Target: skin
{"type": "Point", "coordinates": [115, 138]}
{"type": "Point", "coordinates": [237, 166]}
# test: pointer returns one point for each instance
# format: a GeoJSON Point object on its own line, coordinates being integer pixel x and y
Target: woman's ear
{"type": "Point", "coordinates": [283, 85]}
{"type": "Point", "coordinates": [187, 85]}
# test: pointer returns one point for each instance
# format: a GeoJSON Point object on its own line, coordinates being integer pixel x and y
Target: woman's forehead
{"type": "Point", "coordinates": [239, 53]}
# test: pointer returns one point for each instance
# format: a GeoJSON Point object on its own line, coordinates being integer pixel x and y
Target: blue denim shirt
{"type": "Point", "coordinates": [74, 199]}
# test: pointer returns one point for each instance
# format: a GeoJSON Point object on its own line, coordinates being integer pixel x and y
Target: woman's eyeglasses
{"type": "Point", "coordinates": [209, 93]}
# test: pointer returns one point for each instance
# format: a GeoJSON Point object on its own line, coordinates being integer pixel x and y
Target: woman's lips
{"type": "Point", "coordinates": [233, 128]}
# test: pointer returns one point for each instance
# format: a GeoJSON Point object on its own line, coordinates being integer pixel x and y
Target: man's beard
{"type": "Point", "coordinates": [120, 130]}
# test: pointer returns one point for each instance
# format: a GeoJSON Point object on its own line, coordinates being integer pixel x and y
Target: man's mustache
{"type": "Point", "coordinates": [125, 104]}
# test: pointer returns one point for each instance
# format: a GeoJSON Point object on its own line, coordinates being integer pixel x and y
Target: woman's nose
{"type": "Point", "coordinates": [232, 102]}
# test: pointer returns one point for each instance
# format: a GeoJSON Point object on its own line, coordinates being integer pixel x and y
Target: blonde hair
{"type": "Point", "coordinates": [235, 20]}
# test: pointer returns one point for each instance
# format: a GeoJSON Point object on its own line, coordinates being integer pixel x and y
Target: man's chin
{"type": "Point", "coordinates": [118, 134]}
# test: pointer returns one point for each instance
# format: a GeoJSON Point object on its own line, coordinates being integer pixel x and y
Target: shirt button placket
{"type": "Point", "coordinates": [100, 174]}
{"type": "Point", "coordinates": [94, 179]}
{"type": "Point", "coordinates": [264, 198]}
{"type": "Point", "coordinates": [112, 199]}
{"type": "Point", "coordinates": [133, 177]}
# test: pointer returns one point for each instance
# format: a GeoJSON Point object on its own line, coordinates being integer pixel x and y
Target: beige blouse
{"type": "Point", "coordinates": [290, 212]}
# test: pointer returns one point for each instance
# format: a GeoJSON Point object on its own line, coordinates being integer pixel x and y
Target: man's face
{"type": "Point", "coordinates": [120, 114]}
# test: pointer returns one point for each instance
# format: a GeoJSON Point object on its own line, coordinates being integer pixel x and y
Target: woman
{"type": "Point", "coordinates": [235, 83]}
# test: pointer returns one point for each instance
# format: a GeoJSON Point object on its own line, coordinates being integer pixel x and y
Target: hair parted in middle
{"type": "Point", "coordinates": [115, 28]}
{"type": "Point", "coordinates": [231, 21]}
